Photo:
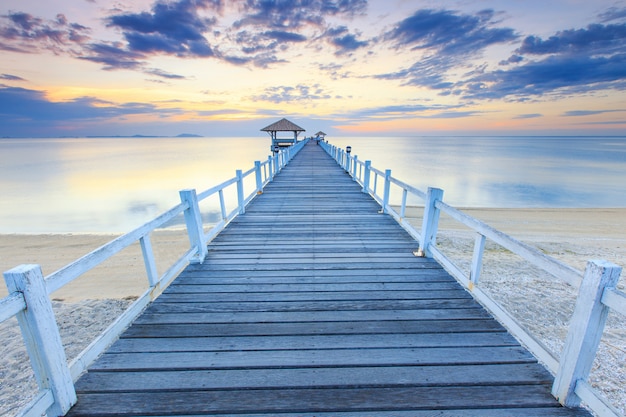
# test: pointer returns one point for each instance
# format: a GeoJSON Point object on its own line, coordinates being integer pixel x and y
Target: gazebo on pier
{"type": "Point", "coordinates": [283, 125]}
{"type": "Point", "coordinates": [320, 136]}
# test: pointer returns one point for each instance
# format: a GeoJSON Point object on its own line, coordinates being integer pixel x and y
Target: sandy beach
{"type": "Point", "coordinates": [85, 307]}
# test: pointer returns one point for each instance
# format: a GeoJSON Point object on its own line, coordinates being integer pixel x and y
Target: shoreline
{"type": "Point", "coordinates": [594, 233]}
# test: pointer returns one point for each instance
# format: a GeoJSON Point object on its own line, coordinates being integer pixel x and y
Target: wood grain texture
{"type": "Point", "coordinates": [312, 303]}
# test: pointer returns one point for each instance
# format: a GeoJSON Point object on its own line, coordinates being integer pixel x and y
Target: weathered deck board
{"type": "Point", "coordinates": [313, 304]}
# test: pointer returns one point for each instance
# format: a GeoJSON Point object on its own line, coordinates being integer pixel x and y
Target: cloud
{"type": "Point", "coordinates": [287, 94]}
{"type": "Point", "coordinates": [613, 13]}
{"type": "Point", "coordinates": [23, 32]}
{"type": "Point", "coordinates": [343, 40]}
{"type": "Point", "coordinates": [416, 111]}
{"type": "Point", "coordinates": [20, 105]}
{"type": "Point", "coordinates": [291, 14]}
{"type": "Point", "coordinates": [569, 62]}
{"type": "Point", "coordinates": [447, 38]}
{"type": "Point", "coordinates": [284, 36]}
{"type": "Point", "coordinates": [528, 116]}
{"type": "Point", "coordinates": [577, 113]}
{"type": "Point", "coordinates": [10, 77]}
{"type": "Point", "coordinates": [113, 56]}
{"type": "Point", "coordinates": [595, 39]}
{"type": "Point", "coordinates": [194, 29]}
{"type": "Point", "coordinates": [448, 32]}
{"type": "Point", "coordinates": [571, 74]}
{"type": "Point", "coordinates": [172, 28]}
{"type": "Point", "coordinates": [164, 74]}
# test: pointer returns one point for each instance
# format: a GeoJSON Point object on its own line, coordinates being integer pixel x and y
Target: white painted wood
{"type": "Point", "coordinates": [38, 406]}
{"type": "Point", "coordinates": [222, 205]}
{"type": "Point", "coordinates": [110, 335]}
{"type": "Point", "coordinates": [41, 336]}
{"type": "Point", "coordinates": [173, 270]}
{"type": "Point", "coordinates": [366, 177]}
{"type": "Point", "coordinates": [409, 188]}
{"type": "Point", "coordinates": [240, 199]}
{"type": "Point", "coordinates": [386, 191]}
{"type": "Point", "coordinates": [411, 230]}
{"type": "Point", "coordinates": [11, 305]}
{"type": "Point", "coordinates": [537, 348]}
{"type": "Point", "coordinates": [148, 260]}
{"type": "Point", "coordinates": [193, 220]}
{"type": "Point", "coordinates": [430, 222]}
{"type": "Point", "coordinates": [259, 178]}
{"type": "Point", "coordinates": [450, 266]}
{"type": "Point", "coordinates": [529, 253]}
{"type": "Point", "coordinates": [615, 299]}
{"type": "Point", "coordinates": [594, 401]}
{"type": "Point", "coordinates": [477, 259]}
{"type": "Point", "coordinates": [75, 269]}
{"type": "Point", "coordinates": [585, 331]}
{"type": "Point", "coordinates": [403, 203]}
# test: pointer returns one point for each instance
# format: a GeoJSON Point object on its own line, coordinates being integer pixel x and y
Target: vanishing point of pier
{"type": "Point", "coordinates": [312, 303]}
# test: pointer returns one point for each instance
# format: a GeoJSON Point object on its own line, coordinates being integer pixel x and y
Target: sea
{"type": "Point", "coordinates": [113, 185]}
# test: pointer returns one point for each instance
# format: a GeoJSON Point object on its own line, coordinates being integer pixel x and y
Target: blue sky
{"type": "Point", "coordinates": [348, 67]}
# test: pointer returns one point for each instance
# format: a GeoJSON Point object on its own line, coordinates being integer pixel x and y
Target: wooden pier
{"type": "Point", "coordinates": [312, 303]}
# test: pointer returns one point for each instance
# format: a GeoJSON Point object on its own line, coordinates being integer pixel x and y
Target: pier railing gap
{"type": "Point", "coordinates": [597, 293]}
{"type": "Point", "coordinates": [29, 291]}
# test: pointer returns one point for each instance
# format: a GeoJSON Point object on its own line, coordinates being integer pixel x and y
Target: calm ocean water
{"type": "Point", "coordinates": [116, 184]}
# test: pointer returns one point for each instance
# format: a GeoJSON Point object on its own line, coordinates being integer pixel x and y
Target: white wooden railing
{"type": "Point", "coordinates": [29, 290]}
{"type": "Point", "coordinates": [597, 293]}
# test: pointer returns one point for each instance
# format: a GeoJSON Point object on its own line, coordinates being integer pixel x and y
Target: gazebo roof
{"type": "Point", "coordinates": [320, 133]}
{"type": "Point", "coordinates": [283, 125]}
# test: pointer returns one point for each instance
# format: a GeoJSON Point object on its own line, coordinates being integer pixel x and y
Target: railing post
{"type": "Point", "coordinates": [41, 336]}
{"type": "Point", "coordinates": [259, 178]}
{"type": "Point", "coordinates": [403, 204]}
{"type": "Point", "coordinates": [477, 260]}
{"type": "Point", "coordinates": [193, 219]}
{"type": "Point", "coordinates": [585, 330]}
{"type": "Point", "coordinates": [240, 197]}
{"type": "Point", "coordinates": [366, 177]}
{"type": "Point", "coordinates": [386, 190]}
{"type": "Point", "coordinates": [276, 167]}
{"type": "Point", "coordinates": [270, 162]}
{"type": "Point", "coordinates": [430, 221]}
{"type": "Point", "coordinates": [354, 166]}
{"type": "Point", "coordinates": [222, 204]}
{"type": "Point", "coordinates": [148, 260]}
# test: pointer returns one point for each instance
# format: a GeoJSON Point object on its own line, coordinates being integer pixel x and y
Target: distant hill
{"type": "Point", "coordinates": [188, 135]}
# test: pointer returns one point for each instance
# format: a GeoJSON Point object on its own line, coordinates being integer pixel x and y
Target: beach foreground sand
{"type": "Point", "coordinates": [573, 236]}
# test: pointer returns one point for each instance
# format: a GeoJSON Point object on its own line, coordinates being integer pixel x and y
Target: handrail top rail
{"type": "Point", "coordinates": [71, 271]}
{"type": "Point", "coordinates": [555, 267]}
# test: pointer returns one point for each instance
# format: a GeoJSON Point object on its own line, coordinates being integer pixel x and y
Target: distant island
{"type": "Point", "coordinates": [182, 135]}
{"type": "Point", "coordinates": [188, 135]}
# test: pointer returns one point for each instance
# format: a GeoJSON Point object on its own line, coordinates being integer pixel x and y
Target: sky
{"type": "Point", "coordinates": [347, 67]}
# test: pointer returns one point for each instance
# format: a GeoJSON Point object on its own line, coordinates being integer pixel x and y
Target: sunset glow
{"type": "Point", "coordinates": [211, 67]}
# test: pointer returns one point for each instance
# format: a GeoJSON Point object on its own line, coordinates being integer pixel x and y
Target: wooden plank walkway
{"type": "Point", "coordinates": [312, 304]}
